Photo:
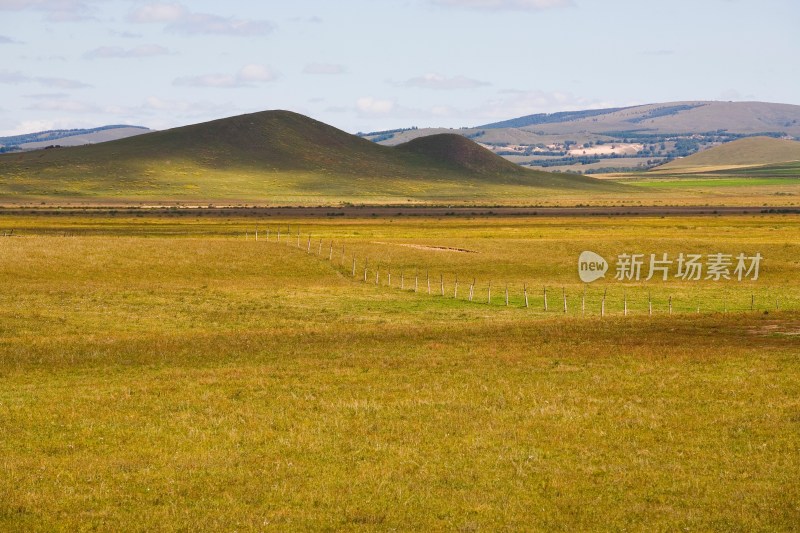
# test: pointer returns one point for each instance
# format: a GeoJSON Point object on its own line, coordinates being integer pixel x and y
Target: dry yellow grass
{"type": "Point", "coordinates": [171, 375]}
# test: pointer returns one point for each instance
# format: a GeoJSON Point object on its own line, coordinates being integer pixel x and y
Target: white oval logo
{"type": "Point", "coordinates": [591, 267]}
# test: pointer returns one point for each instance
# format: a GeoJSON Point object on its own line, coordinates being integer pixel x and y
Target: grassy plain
{"type": "Point", "coordinates": [163, 374]}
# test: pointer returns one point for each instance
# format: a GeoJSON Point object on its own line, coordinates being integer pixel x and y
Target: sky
{"type": "Point", "coordinates": [371, 65]}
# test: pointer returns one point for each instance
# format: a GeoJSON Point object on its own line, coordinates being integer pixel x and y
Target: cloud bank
{"type": "Point", "coordinates": [178, 18]}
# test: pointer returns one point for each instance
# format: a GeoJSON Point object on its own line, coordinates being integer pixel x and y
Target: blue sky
{"type": "Point", "coordinates": [370, 65]}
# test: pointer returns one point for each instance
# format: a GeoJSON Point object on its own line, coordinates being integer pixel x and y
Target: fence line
{"type": "Point", "coordinates": [509, 299]}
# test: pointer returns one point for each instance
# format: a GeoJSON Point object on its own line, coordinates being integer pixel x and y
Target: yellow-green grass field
{"type": "Point", "coordinates": [163, 374]}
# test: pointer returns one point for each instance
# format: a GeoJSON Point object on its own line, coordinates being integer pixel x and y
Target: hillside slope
{"type": "Point", "coordinates": [669, 117]}
{"type": "Point", "coordinates": [74, 137]}
{"type": "Point", "coordinates": [748, 152]}
{"type": "Point", "coordinates": [271, 156]}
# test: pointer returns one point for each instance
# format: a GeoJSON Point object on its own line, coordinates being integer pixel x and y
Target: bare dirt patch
{"type": "Point", "coordinates": [432, 248]}
{"type": "Point", "coordinates": [791, 329]}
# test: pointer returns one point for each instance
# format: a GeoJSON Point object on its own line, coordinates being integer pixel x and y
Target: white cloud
{"type": "Point", "coordinates": [145, 50]}
{"type": "Point", "coordinates": [158, 13]}
{"type": "Point", "coordinates": [179, 18]}
{"type": "Point", "coordinates": [246, 77]}
{"type": "Point", "coordinates": [16, 78]}
{"type": "Point", "coordinates": [61, 83]}
{"type": "Point", "coordinates": [6, 40]}
{"type": "Point", "coordinates": [439, 82]}
{"type": "Point", "coordinates": [125, 34]}
{"type": "Point", "coordinates": [527, 5]}
{"type": "Point", "coordinates": [54, 10]}
{"type": "Point", "coordinates": [256, 73]}
{"type": "Point", "coordinates": [373, 106]}
{"type": "Point", "coordinates": [324, 69]}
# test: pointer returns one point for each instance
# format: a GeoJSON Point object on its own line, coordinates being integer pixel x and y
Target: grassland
{"type": "Point", "coordinates": [162, 374]}
{"type": "Point", "coordinates": [747, 152]}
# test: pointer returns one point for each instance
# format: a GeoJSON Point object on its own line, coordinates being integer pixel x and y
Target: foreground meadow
{"type": "Point", "coordinates": [160, 374]}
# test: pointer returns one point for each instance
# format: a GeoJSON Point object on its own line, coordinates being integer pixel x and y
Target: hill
{"type": "Point", "coordinates": [671, 117]}
{"type": "Point", "coordinates": [749, 152]}
{"type": "Point", "coordinates": [273, 157]}
{"type": "Point", "coordinates": [72, 137]}
{"type": "Point", "coordinates": [461, 153]}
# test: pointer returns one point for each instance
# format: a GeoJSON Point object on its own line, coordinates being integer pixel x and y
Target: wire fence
{"type": "Point", "coordinates": [571, 299]}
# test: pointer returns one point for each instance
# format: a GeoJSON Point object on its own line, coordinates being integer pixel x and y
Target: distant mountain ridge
{"type": "Point", "coordinates": [671, 117]}
{"type": "Point", "coordinates": [70, 137]}
{"type": "Point", "coordinates": [549, 118]}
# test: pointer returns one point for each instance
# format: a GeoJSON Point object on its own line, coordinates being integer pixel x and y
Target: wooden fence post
{"type": "Point", "coordinates": [490, 293]}
{"type": "Point", "coordinates": [389, 282]}
{"type": "Point", "coordinates": [472, 290]}
{"type": "Point", "coordinates": [670, 304]}
{"type": "Point", "coordinates": [650, 303]}
{"type": "Point", "coordinates": [402, 280]}
{"type": "Point", "coordinates": [455, 290]}
{"type": "Point", "coordinates": [308, 249]}
{"type": "Point", "coordinates": [428, 279]}
{"type": "Point", "coordinates": [603, 303]}
{"type": "Point", "coordinates": [564, 294]}
{"type": "Point", "coordinates": [525, 293]}
{"type": "Point", "coordinates": [366, 265]}
{"type": "Point", "coordinates": [256, 233]}
{"type": "Point", "coordinates": [377, 272]}
{"type": "Point", "coordinates": [624, 302]}
{"type": "Point", "coordinates": [330, 255]}
{"type": "Point", "coordinates": [752, 301]}
{"type": "Point", "coordinates": [441, 283]}
{"type": "Point", "coordinates": [279, 235]}
{"type": "Point", "coordinates": [583, 301]}
{"type": "Point", "coordinates": [545, 298]}
{"type": "Point", "coordinates": [354, 266]}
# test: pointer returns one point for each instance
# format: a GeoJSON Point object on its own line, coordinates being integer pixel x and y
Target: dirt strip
{"type": "Point", "coordinates": [397, 211]}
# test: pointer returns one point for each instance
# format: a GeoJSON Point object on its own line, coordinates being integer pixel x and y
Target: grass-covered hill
{"type": "Point", "coordinates": [274, 157]}
{"type": "Point", "coordinates": [462, 154]}
{"type": "Point", "coordinates": [748, 152]}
